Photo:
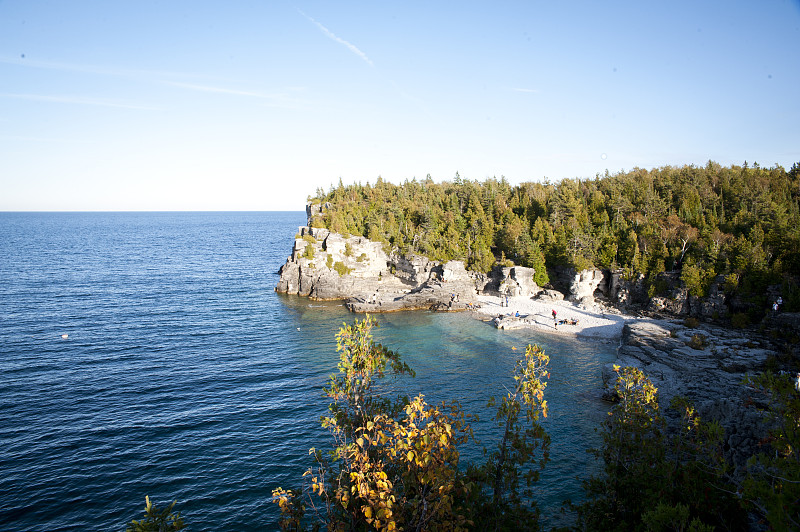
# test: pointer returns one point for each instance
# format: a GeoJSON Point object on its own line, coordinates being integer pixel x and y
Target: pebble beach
{"type": "Point", "coordinates": [596, 322]}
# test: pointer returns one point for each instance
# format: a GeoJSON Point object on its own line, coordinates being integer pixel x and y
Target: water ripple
{"type": "Point", "coordinates": [184, 376]}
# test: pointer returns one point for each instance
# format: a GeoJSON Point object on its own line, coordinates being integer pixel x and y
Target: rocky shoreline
{"type": "Point", "coordinates": [704, 362]}
{"type": "Point", "coordinates": [325, 265]}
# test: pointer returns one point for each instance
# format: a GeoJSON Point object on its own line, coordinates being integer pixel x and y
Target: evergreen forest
{"type": "Point", "coordinates": [742, 222]}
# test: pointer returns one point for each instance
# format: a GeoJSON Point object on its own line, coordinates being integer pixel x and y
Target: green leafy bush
{"type": "Point", "coordinates": [156, 520]}
{"type": "Point", "coordinates": [341, 269]}
{"type": "Point", "coordinates": [651, 481]}
{"type": "Point", "coordinates": [772, 486]}
{"type": "Point", "coordinates": [698, 341]}
{"type": "Point", "coordinates": [731, 282]}
{"type": "Point", "coordinates": [696, 279]}
{"type": "Point", "coordinates": [691, 322]}
{"type": "Point", "coordinates": [395, 462]}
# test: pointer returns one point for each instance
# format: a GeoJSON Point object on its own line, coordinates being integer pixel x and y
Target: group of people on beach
{"type": "Point", "coordinates": [557, 322]}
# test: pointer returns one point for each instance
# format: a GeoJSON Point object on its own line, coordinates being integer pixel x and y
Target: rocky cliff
{"type": "Point", "coordinates": [326, 265]}
{"type": "Point", "coordinates": [706, 364]}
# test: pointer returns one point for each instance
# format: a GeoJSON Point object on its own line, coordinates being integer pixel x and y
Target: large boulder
{"type": "Point", "coordinates": [509, 280]}
{"type": "Point", "coordinates": [584, 284]}
{"type": "Point", "coordinates": [289, 281]}
{"type": "Point", "coordinates": [415, 270]}
{"type": "Point", "coordinates": [579, 286]}
{"type": "Point", "coordinates": [518, 281]}
{"type": "Point", "coordinates": [550, 295]}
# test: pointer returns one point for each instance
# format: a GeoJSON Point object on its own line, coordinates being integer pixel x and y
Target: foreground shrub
{"type": "Point", "coordinates": [691, 322]}
{"type": "Point", "coordinates": [156, 520]}
{"type": "Point", "coordinates": [740, 320]}
{"type": "Point", "coordinates": [698, 341]}
{"type": "Point", "coordinates": [772, 486]}
{"type": "Point", "coordinates": [394, 464]}
{"type": "Point", "coordinates": [644, 468]}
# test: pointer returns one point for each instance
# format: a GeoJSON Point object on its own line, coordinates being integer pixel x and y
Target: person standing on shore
{"type": "Point", "coordinates": [555, 319]}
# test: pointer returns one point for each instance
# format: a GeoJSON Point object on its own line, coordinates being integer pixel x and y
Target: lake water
{"type": "Point", "coordinates": [185, 376]}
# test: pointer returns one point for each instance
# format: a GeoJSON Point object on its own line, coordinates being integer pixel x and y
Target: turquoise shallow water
{"type": "Point", "coordinates": [186, 376]}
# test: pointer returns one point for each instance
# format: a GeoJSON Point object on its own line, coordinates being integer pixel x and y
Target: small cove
{"type": "Point", "coordinates": [186, 376]}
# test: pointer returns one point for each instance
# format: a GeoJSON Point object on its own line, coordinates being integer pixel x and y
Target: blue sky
{"type": "Point", "coordinates": [140, 105]}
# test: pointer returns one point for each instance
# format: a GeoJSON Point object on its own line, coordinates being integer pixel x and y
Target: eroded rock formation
{"type": "Point", "coordinates": [326, 265]}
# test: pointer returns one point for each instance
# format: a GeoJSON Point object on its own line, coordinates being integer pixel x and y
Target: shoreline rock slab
{"type": "Point", "coordinates": [710, 374]}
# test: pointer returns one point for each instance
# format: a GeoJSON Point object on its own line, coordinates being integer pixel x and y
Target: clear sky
{"type": "Point", "coordinates": [250, 105]}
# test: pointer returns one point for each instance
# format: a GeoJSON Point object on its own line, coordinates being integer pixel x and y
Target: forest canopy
{"type": "Point", "coordinates": [739, 221]}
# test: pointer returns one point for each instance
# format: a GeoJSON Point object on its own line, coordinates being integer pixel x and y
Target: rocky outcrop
{"type": "Point", "coordinates": [326, 265]}
{"type": "Point", "coordinates": [550, 295]}
{"type": "Point", "coordinates": [518, 281]}
{"type": "Point", "coordinates": [315, 209]}
{"type": "Point", "coordinates": [714, 305]}
{"type": "Point", "coordinates": [583, 286]}
{"type": "Point", "coordinates": [579, 286]}
{"type": "Point", "coordinates": [786, 322]}
{"type": "Point", "coordinates": [705, 364]}
{"type": "Point", "coordinates": [627, 295]}
{"type": "Point", "coordinates": [677, 301]}
{"type": "Point", "coordinates": [510, 281]}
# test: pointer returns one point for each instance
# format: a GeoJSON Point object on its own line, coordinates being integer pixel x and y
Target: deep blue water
{"type": "Point", "coordinates": [185, 376]}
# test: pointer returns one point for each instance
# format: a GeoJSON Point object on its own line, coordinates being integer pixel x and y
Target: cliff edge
{"type": "Point", "coordinates": [326, 265]}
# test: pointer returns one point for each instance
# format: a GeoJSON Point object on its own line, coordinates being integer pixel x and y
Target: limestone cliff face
{"type": "Point", "coordinates": [579, 286]}
{"type": "Point", "coordinates": [325, 265]}
{"type": "Point", "coordinates": [630, 295]}
{"type": "Point", "coordinates": [626, 294]}
{"type": "Point", "coordinates": [517, 281]}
